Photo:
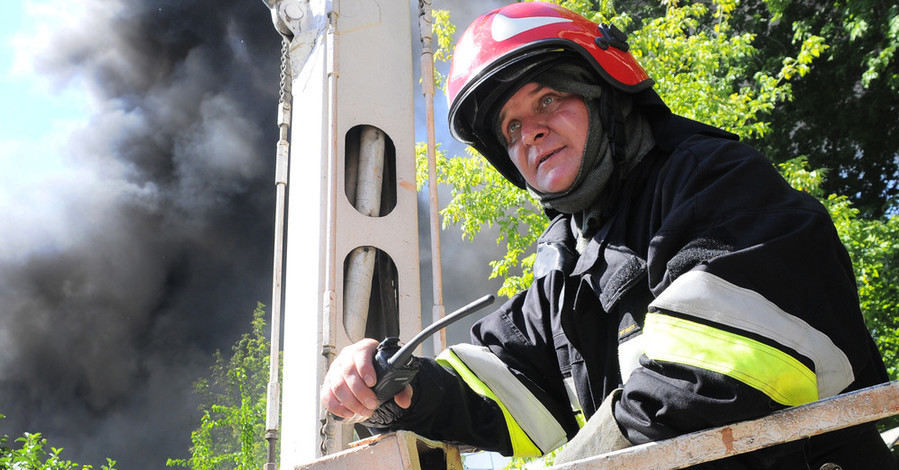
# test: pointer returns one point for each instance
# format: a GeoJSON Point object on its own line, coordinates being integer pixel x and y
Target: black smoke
{"type": "Point", "coordinates": [165, 238]}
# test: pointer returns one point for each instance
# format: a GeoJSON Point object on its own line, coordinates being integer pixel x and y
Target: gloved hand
{"type": "Point", "coordinates": [385, 415]}
{"type": "Point", "coordinates": [600, 435]}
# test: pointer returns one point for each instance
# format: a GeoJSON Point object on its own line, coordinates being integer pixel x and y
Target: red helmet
{"type": "Point", "coordinates": [519, 36]}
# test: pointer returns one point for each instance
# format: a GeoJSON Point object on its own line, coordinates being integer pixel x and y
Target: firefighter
{"type": "Point", "coordinates": [681, 284]}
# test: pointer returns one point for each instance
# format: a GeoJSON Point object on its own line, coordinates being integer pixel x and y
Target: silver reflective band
{"type": "Point", "coordinates": [629, 353]}
{"type": "Point", "coordinates": [529, 413]}
{"type": "Point", "coordinates": [709, 297]}
{"type": "Point", "coordinates": [571, 390]}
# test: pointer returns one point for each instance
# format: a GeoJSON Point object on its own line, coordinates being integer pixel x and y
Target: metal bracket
{"type": "Point", "coordinates": [290, 17]}
{"type": "Point", "coordinates": [610, 35]}
{"type": "Point", "coordinates": [296, 22]}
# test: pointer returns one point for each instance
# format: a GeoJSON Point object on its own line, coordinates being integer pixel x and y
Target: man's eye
{"type": "Point", "coordinates": [514, 126]}
{"type": "Point", "coordinates": [547, 100]}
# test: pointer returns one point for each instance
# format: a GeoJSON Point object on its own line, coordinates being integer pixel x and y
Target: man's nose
{"type": "Point", "coordinates": [532, 130]}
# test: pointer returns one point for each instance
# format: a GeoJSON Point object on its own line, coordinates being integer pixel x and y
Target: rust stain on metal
{"type": "Point", "coordinates": [727, 438]}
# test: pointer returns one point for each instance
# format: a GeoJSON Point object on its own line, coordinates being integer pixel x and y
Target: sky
{"type": "Point", "coordinates": [34, 113]}
{"type": "Point", "coordinates": [136, 207]}
{"type": "Point", "coordinates": [27, 95]}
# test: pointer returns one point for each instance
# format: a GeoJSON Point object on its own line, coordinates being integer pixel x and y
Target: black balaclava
{"type": "Point", "coordinates": [598, 165]}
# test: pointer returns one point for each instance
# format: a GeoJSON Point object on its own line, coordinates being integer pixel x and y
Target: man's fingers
{"type": "Point", "coordinates": [338, 410]}
{"type": "Point", "coordinates": [363, 361]}
{"type": "Point", "coordinates": [346, 391]}
{"type": "Point", "coordinates": [339, 399]}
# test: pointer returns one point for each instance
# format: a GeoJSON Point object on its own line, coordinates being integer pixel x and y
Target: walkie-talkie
{"type": "Point", "coordinates": [395, 366]}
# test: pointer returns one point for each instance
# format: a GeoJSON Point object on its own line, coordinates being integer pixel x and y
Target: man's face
{"type": "Point", "coordinates": [545, 132]}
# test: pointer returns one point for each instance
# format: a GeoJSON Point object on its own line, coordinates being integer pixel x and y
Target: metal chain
{"type": "Point", "coordinates": [425, 25]}
{"type": "Point", "coordinates": [285, 91]}
{"type": "Point", "coordinates": [326, 432]}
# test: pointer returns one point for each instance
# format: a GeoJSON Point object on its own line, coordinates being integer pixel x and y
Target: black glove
{"type": "Point", "coordinates": [386, 414]}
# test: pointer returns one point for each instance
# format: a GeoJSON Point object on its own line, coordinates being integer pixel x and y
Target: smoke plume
{"type": "Point", "coordinates": [154, 253]}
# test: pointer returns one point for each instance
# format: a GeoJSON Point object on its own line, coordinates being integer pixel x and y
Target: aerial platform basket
{"type": "Point", "coordinates": [404, 450]}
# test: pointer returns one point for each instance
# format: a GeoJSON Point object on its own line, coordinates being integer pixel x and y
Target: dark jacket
{"type": "Point", "coordinates": [712, 293]}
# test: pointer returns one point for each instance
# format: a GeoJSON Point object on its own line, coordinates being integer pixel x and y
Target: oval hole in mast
{"type": "Point", "coordinates": [370, 171]}
{"type": "Point", "coordinates": [370, 294]}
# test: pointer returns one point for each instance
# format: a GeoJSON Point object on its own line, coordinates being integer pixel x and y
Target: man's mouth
{"type": "Point", "coordinates": [547, 156]}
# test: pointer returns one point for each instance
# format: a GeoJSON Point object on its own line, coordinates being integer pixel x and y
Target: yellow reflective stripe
{"type": "Point", "coordinates": [581, 420]}
{"type": "Point", "coordinates": [767, 369]}
{"type": "Point", "coordinates": [522, 446]}
{"type": "Point", "coordinates": [706, 296]}
{"type": "Point", "coordinates": [526, 409]}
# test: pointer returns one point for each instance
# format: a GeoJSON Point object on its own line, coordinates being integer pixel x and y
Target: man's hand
{"type": "Point", "coordinates": [346, 391]}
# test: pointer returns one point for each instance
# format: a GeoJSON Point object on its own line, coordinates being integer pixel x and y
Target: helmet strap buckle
{"type": "Point", "coordinates": [610, 35]}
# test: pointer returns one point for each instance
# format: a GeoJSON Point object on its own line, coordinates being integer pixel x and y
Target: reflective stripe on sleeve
{"type": "Point", "coordinates": [533, 430]}
{"type": "Point", "coordinates": [576, 408]}
{"type": "Point", "coordinates": [767, 369]}
{"type": "Point", "coordinates": [629, 354]}
{"type": "Point", "coordinates": [709, 297]}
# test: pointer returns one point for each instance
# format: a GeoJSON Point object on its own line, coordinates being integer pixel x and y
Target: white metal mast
{"type": "Point", "coordinates": [351, 263]}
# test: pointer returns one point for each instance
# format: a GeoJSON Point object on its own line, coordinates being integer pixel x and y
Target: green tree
{"type": "Point", "coordinates": [233, 402]}
{"type": "Point", "coordinates": [31, 455]}
{"type": "Point", "coordinates": [842, 115]}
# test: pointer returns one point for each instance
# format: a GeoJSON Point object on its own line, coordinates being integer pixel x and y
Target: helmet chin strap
{"type": "Point", "coordinates": [614, 110]}
{"type": "Point", "coordinates": [613, 117]}
{"type": "Point", "coordinates": [617, 115]}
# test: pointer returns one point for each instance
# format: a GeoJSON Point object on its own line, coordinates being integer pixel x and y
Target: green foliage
{"type": "Point", "coordinates": [843, 111]}
{"type": "Point", "coordinates": [699, 65]}
{"type": "Point", "coordinates": [32, 456]}
{"type": "Point", "coordinates": [871, 27]}
{"type": "Point", "coordinates": [482, 197]}
{"type": "Point", "coordinates": [443, 30]}
{"type": "Point", "coordinates": [233, 407]}
{"type": "Point", "coordinates": [523, 462]}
